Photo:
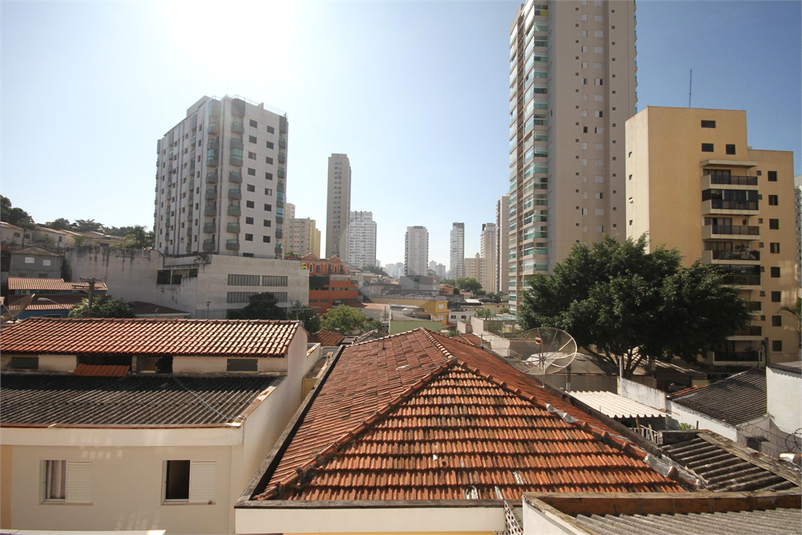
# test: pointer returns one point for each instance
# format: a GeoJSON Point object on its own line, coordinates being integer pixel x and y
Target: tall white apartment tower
{"type": "Point", "coordinates": [572, 88]}
{"type": "Point", "coordinates": [503, 245]}
{"type": "Point", "coordinates": [338, 205]}
{"type": "Point", "coordinates": [221, 180]}
{"type": "Point", "coordinates": [416, 251]}
{"type": "Point", "coordinates": [361, 240]}
{"type": "Point", "coordinates": [488, 251]}
{"type": "Point", "coordinates": [457, 250]}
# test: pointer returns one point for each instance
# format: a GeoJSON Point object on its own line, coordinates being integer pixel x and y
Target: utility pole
{"type": "Point", "coordinates": [91, 282]}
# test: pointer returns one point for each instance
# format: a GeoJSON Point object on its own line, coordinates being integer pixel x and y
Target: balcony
{"type": "Point", "coordinates": [233, 228]}
{"type": "Point", "coordinates": [279, 233]}
{"type": "Point", "coordinates": [235, 177]}
{"type": "Point", "coordinates": [211, 177]}
{"type": "Point", "coordinates": [237, 128]}
{"type": "Point", "coordinates": [279, 204]}
{"type": "Point", "coordinates": [234, 210]}
{"type": "Point", "coordinates": [210, 210]}
{"type": "Point", "coordinates": [236, 161]}
{"type": "Point", "coordinates": [278, 249]}
{"type": "Point", "coordinates": [751, 333]}
{"type": "Point", "coordinates": [282, 157]}
{"type": "Point", "coordinates": [236, 143]}
{"type": "Point", "coordinates": [213, 128]}
{"type": "Point", "coordinates": [750, 356]}
{"type": "Point", "coordinates": [731, 257]}
{"type": "Point", "coordinates": [739, 181]}
{"type": "Point", "coordinates": [209, 228]}
{"type": "Point", "coordinates": [211, 195]}
{"type": "Point", "coordinates": [235, 194]}
{"type": "Point", "coordinates": [282, 125]}
{"type": "Point", "coordinates": [282, 142]}
{"type": "Point", "coordinates": [279, 219]}
{"type": "Point", "coordinates": [208, 245]}
{"type": "Point", "coordinates": [281, 172]}
{"type": "Point", "coordinates": [213, 143]}
{"type": "Point", "coordinates": [744, 282]}
{"type": "Point", "coordinates": [720, 206]}
{"type": "Point", "coordinates": [730, 232]}
{"type": "Point", "coordinates": [232, 245]}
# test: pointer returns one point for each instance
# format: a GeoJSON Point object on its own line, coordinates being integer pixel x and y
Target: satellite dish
{"type": "Point", "coordinates": [550, 349]}
{"type": "Point", "coordinates": [16, 308]}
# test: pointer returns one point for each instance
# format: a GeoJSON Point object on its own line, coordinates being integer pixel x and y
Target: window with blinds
{"type": "Point", "coordinates": [67, 481]}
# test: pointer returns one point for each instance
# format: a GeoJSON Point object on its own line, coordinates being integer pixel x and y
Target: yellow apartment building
{"type": "Point", "coordinates": [694, 184]}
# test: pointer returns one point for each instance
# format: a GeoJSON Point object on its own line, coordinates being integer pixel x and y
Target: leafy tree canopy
{"type": "Point", "coordinates": [621, 303]}
{"type": "Point", "coordinates": [87, 225]}
{"type": "Point", "coordinates": [307, 316]}
{"type": "Point", "coordinates": [468, 284]}
{"type": "Point", "coordinates": [450, 282]}
{"type": "Point", "coordinates": [59, 224]}
{"type": "Point", "coordinates": [261, 306]}
{"type": "Point", "coordinates": [104, 306]}
{"type": "Point", "coordinates": [378, 270]}
{"type": "Point", "coordinates": [483, 313]}
{"type": "Point", "coordinates": [14, 216]}
{"type": "Point", "coordinates": [346, 320]}
{"type": "Point", "coordinates": [138, 237]}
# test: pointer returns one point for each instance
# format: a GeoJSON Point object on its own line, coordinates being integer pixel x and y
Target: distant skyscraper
{"type": "Point", "coordinates": [572, 88]}
{"type": "Point", "coordinates": [503, 245]}
{"type": "Point", "coordinates": [201, 204]}
{"type": "Point", "coordinates": [361, 240]}
{"type": "Point", "coordinates": [457, 250]}
{"type": "Point", "coordinates": [338, 205]}
{"type": "Point", "coordinates": [488, 251]}
{"type": "Point", "coordinates": [416, 251]}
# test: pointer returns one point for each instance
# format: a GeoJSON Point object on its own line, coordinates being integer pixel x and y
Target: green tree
{"type": "Point", "coordinates": [346, 320]}
{"type": "Point", "coordinates": [14, 216]}
{"type": "Point", "coordinates": [87, 225]}
{"type": "Point", "coordinates": [306, 315]}
{"type": "Point", "coordinates": [378, 270]}
{"type": "Point", "coordinates": [450, 282]}
{"type": "Point", "coordinates": [624, 305]}
{"type": "Point", "coordinates": [138, 237]}
{"type": "Point", "coordinates": [468, 284]}
{"type": "Point", "coordinates": [59, 224]}
{"type": "Point", "coordinates": [483, 313]}
{"type": "Point", "coordinates": [104, 306]}
{"type": "Point", "coordinates": [796, 312]}
{"type": "Point", "coordinates": [261, 306]}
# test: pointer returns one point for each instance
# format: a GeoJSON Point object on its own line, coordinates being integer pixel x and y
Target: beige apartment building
{"type": "Point", "coordinates": [572, 87]}
{"type": "Point", "coordinates": [502, 244]}
{"type": "Point", "coordinates": [303, 237]}
{"type": "Point", "coordinates": [488, 250]}
{"type": "Point", "coordinates": [338, 205]}
{"type": "Point", "coordinates": [481, 269]}
{"type": "Point", "coordinates": [694, 184]}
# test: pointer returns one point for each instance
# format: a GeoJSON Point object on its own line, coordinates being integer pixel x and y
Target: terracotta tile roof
{"type": "Point", "coordinates": [469, 338]}
{"type": "Point", "coordinates": [62, 302]}
{"type": "Point", "coordinates": [735, 400]}
{"type": "Point", "coordinates": [23, 283]}
{"type": "Point", "coordinates": [142, 308]}
{"type": "Point", "coordinates": [327, 338]}
{"type": "Point", "coordinates": [34, 250]}
{"type": "Point", "coordinates": [96, 370]}
{"type": "Point", "coordinates": [153, 400]}
{"type": "Point", "coordinates": [419, 416]}
{"type": "Point", "coordinates": [144, 336]}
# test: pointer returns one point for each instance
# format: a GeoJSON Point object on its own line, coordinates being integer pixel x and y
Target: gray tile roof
{"type": "Point", "coordinates": [737, 399]}
{"type": "Point", "coordinates": [768, 522]}
{"type": "Point", "coordinates": [794, 367]}
{"type": "Point", "coordinates": [159, 400]}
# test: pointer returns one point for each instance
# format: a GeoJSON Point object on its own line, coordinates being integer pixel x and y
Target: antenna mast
{"type": "Point", "coordinates": [690, 87]}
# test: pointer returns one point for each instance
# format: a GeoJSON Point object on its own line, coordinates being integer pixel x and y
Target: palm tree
{"type": "Point", "coordinates": [795, 311]}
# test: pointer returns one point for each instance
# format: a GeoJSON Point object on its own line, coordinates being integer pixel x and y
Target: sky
{"type": "Point", "coordinates": [416, 93]}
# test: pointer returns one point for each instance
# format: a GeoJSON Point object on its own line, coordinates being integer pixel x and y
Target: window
{"type": "Point", "coordinates": [774, 224]}
{"type": "Point", "coordinates": [251, 155]}
{"type": "Point", "coordinates": [251, 188]}
{"type": "Point", "coordinates": [269, 160]}
{"type": "Point", "coordinates": [249, 221]}
{"type": "Point", "coordinates": [268, 208]}
{"type": "Point", "coordinates": [773, 199]}
{"type": "Point", "coordinates": [776, 297]}
{"type": "Point", "coordinates": [266, 223]}
{"type": "Point", "coordinates": [772, 176]}
{"type": "Point", "coordinates": [241, 365]}
{"type": "Point", "coordinates": [271, 130]}
{"type": "Point", "coordinates": [776, 321]}
{"type": "Point", "coordinates": [774, 248]}
{"type": "Point", "coordinates": [249, 204]}
{"type": "Point", "coordinates": [708, 124]}
{"type": "Point", "coordinates": [730, 149]}
{"type": "Point", "coordinates": [67, 481]}
{"type": "Point", "coordinates": [190, 481]}
{"type": "Point", "coordinates": [249, 237]}
{"type": "Point", "coordinates": [776, 345]}
{"type": "Point", "coordinates": [251, 139]}
{"type": "Point", "coordinates": [24, 363]}
{"type": "Point", "coordinates": [268, 191]}
{"type": "Point", "coordinates": [265, 239]}
{"type": "Point", "coordinates": [251, 172]}
{"type": "Point", "coordinates": [253, 124]}
{"type": "Point", "coordinates": [268, 176]}
{"type": "Point", "coordinates": [707, 147]}
{"type": "Point", "coordinates": [775, 272]}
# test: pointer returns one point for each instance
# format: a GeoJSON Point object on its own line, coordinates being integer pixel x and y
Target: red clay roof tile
{"type": "Point", "coordinates": [143, 336]}
{"type": "Point", "coordinates": [420, 416]}
{"type": "Point", "coordinates": [327, 338]}
{"type": "Point", "coordinates": [23, 283]}
{"type": "Point", "coordinates": [90, 370]}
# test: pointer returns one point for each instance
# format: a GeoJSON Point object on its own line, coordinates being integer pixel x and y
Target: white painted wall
{"type": "Point", "coordinates": [642, 393]}
{"type": "Point", "coordinates": [784, 392]}
{"type": "Point", "coordinates": [537, 522]}
{"type": "Point", "coordinates": [194, 364]}
{"type": "Point", "coordinates": [698, 420]}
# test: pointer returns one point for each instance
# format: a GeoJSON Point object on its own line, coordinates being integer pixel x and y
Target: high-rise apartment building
{"type": "Point", "coordinates": [503, 245]}
{"type": "Point", "coordinates": [488, 251]}
{"type": "Point", "coordinates": [361, 240]}
{"type": "Point", "coordinates": [338, 206]}
{"type": "Point", "coordinates": [457, 251]}
{"type": "Point", "coordinates": [572, 87]}
{"type": "Point", "coordinates": [439, 269]}
{"type": "Point", "coordinates": [480, 269]}
{"type": "Point", "coordinates": [798, 193]}
{"type": "Point", "coordinates": [416, 251]}
{"type": "Point", "coordinates": [695, 185]}
{"type": "Point", "coordinates": [221, 180]}
{"type": "Point", "coordinates": [303, 237]}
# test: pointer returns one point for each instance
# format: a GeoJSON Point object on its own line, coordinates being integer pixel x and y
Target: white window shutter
{"type": "Point", "coordinates": [202, 477]}
{"type": "Point", "coordinates": [80, 482]}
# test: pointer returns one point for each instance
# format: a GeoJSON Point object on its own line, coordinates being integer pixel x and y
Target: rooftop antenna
{"type": "Point", "coordinates": [690, 87]}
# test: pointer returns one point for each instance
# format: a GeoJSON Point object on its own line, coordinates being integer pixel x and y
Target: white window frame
{"type": "Point", "coordinates": [202, 483]}
{"type": "Point", "coordinates": [76, 478]}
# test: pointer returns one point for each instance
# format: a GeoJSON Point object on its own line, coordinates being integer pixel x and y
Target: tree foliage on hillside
{"type": "Point", "coordinates": [468, 284]}
{"type": "Point", "coordinates": [14, 216]}
{"type": "Point", "coordinates": [620, 302]}
{"type": "Point", "coordinates": [103, 306]}
{"type": "Point", "coordinates": [261, 306]}
{"type": "Point", "coordinates": [347, 321]}
{"type": "Point", "coordinates": [378, 270]}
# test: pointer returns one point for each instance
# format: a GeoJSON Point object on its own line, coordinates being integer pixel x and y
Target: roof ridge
{"type": "Point", "coordinates": [396, 335]}
{"type": "Point", "coordinates": [306, 470]}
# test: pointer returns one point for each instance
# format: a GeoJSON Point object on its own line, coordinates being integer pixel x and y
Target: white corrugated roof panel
{"type": "Point", "coordinates": [615, 406]}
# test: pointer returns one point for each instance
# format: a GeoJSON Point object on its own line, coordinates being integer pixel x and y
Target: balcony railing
{"type": "Point", "coordinates": [742, 280]}
{"type": "Point", "coordinates": [211, 177]}
{"type": "Point", "coordinates": [233, 227]}
{"type": "Point", "coordinates": [737, 356]}
{"type": "Point", "coordinates": [232, 245]}
{"type": "Point", "coordinates": [721, 204]}
{"type": "Point", "coordinates": [208, 245]}
{"type": "Point", "coordinates": [210, 210]}
{"type": "Point", "coordinates": [736, 230]}
{"type": "Point", "coordinates": [235, 161]}
{"type": "Point", "coordinates": [211, 195]}
{"type": "Point", "coordinates": [234, 210]}
{"type": "Point", "coordinates": [752, 330]}
{"type": "Point", "coordinates": [235, 194]}
{"type": "Point", "coordinates": [733, 180]}
{"type": "Point", "coordinates": [237, 128]}
{"type": "Point", "coordinates": [213, 129]}
{"type": "Point", "coordinates": [209, 228]}
{"type": "Point", "coordinates": [735, 255]}
{"type": "Point", "coordinates": [235, 176]}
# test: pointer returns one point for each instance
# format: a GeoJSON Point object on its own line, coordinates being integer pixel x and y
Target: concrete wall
{"type": "Point", "coordinates": [784, 392]}
{"type": "Point", "coordinates": [130, 274]}
{"type": "Point", "coordinates": [642, 393]}
{"type": "Point", "coordinates": [194, 364]}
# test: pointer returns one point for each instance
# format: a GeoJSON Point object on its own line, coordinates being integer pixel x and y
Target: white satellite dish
{"type": "Point", "coordinates": [550, 349]}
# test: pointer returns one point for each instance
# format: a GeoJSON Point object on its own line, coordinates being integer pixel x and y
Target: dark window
{"type": "Point", "coordinates": [707, 147]}
{"type": "Point", "coordinates": [774, 224]}
{"type": "Point", "coordinates": [730, 149]}
{"type": "Point", "coordinates": [251, 139]}
{"type": "Point", "coordinates": [773, 199]}
{"type": "Point", "coordinates": [772, 176]}
{"type": "Point", "coordinates": [708, 124]}
{"type": "Point", "coordinates": [776, 345]}
{"type": "Point", "coordinates": [249, 204]}
{"type": "Point", "coordinates": [163, 277]}
{"type": "Point", "coordinates": [775, 272]}
{"type": "Point", "coordinates": [24, 363]}
{"type": "Point", "coordinates": [249, 237]}
{"type": "Point", "coordinates": [269, 176]}
{"type": "Point", "coordinates": [269, 144]}
{"type": "Point", "coordinates": [251, 187]}
{"type": "Point", "coordinates": [776, 297]}
{"type": "Point", "coordinates": [249, 221]}
{"type": "Point", "coordinates": [268, 208]}
{"type": "Point", "coordinates": [270, 130]}
{"type": "Point", "coordinates": [252, 172]}
{"type": "Point", "coordinates": [266, 239]}
{"type": "Point", "coordinates": [251, 155]}
{"type": "Point", "coordinates": [177, 481]}
{"type": "Point", "coordinates": [267, 223]}
{"type": "Point", "coordinates": [254, 124]}
{"type": "Point", "coordinates": [241, 365]}
{"type": "Point", "coordinates": [269, 160]}
{"type": "Point", "coordinates": [776, 321]}
{"type": "Point", "coordinates": [774, 247]}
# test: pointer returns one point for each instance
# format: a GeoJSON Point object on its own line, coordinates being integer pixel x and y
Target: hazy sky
{"type": "Point", "coordinates": [415, 93]}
